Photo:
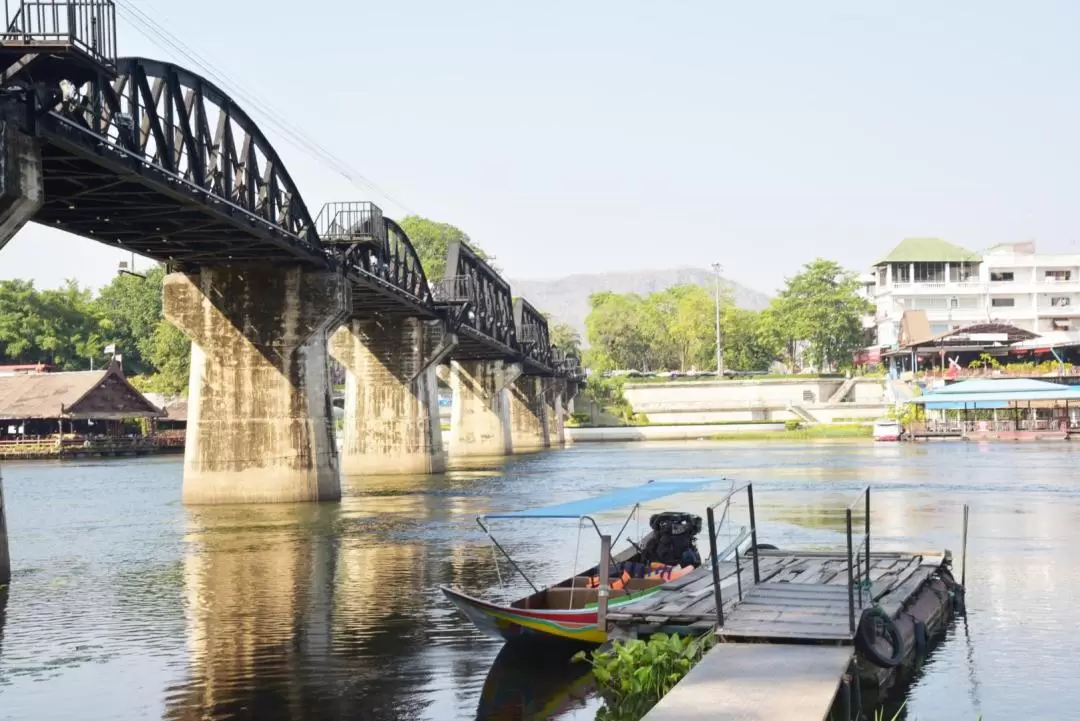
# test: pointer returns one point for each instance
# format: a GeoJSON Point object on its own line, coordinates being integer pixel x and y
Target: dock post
{"type": "Point", "coordinates": [868, 564]}
{"type": "Point", "coordinates": [963, 550]}
{"type": "Point", "coordinates": [716, 567]}
{"type": "Point", "coordinates": [605, 579]}
{"type": "Point", "coordinates": [753, 530]}
{"type": "Point", "coordinates": [5, 557]}
{"type": "Point", "coordinates": [850, 574]}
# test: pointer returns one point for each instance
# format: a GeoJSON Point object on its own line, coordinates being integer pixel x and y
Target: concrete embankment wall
{"type": "Point", "coordinates": [778, 399]}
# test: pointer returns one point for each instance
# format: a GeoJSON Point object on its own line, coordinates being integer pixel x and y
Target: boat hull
{"type": "Point", "coordinates": [577, 625]}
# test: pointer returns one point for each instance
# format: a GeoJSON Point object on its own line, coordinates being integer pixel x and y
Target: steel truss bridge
{"type": "Point", "coordinates": [152, 158]}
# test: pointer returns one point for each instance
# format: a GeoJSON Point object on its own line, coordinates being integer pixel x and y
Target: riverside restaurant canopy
{"type": "Point", "coordinates": [996, 393]}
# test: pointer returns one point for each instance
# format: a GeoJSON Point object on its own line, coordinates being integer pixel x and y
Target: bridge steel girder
{"type": "Point", "coordinates": [479, 307]}
{"type": "Point", "coordinates": [377, 256]}
{"type": "Point", "coordinates": [533, 339]}
{"type": "Point", "coordinates": [162, 162]}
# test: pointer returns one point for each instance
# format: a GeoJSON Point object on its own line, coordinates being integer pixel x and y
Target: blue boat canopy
{"type": "Point", "coordinates": [614, 499]}
{"type": "Point", "coordinates": [997, 393]}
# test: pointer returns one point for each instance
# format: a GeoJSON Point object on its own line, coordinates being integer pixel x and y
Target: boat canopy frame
{"type": "Point", "coordinates": [581, 510]}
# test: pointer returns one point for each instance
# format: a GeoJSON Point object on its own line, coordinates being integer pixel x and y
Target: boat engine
{"type": "Point", "coordinates": [673, 541]}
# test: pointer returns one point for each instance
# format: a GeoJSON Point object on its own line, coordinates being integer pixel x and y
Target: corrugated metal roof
{"type": "Point", "coordinates": [980, 390]}
{"type": "Point", "coordinates": [929, 250]}
{"type": "Point", "coordinates": [1001, 385]}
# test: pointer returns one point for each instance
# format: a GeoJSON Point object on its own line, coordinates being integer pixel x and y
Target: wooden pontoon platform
{"type": "Point", "coordinates": [757, 682]}
{"type": "Point", "coordinates": [801, 594]}
{"type": "Point", "coordinates": [787, 623]}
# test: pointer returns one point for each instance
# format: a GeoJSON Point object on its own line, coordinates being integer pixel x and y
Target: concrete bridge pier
{"type": "Point", "coordinates": [5, 557]}
{"type": "Point", "coordinates": [21, 195]}
{"type": "Point", "coordinates": [480, 415]}
{"type": "Point", "coordinates": [21, 187]}
{"type": "Point", "coordinates": [528, 421]}
{"type": "Point", "coordinates": [554, 390]}
{"type": "Point", "coordinates": [391, 396]}
{"type": "Point", "coordinates": [260, 427]}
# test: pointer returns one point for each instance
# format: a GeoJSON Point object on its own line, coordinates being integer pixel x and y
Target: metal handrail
{"type": "Point", "coordinates": [716, 558]}
{"type": "Point", "coordinates": [856, 553]}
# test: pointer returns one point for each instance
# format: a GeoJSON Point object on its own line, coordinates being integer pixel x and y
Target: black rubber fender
{"type": "Point", "coordinates": [866, 634]}
{"type": "Point", "coordinates": [766, 547]}
{"type": "Point", "coordinates": [921, 639]}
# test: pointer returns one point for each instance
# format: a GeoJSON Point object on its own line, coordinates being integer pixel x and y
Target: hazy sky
{"type": "Point", "coordinates": [598, 136]}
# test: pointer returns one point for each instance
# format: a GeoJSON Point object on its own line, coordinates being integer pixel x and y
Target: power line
{"type": "Point", "coordinates": [161, 37]}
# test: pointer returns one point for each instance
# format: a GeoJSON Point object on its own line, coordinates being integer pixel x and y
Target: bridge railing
{"type": "Point", "coordinates": [350, 222]}
{"type": "Point", "coordinates": [457, 289]}
{"type": "Point", "coordinates": [88, 25]}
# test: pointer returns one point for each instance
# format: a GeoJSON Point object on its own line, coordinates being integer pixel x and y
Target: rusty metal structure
{"type": "Point", "coordinates": [152, 158]}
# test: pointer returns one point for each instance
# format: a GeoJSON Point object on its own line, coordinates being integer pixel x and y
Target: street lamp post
{"type": "Point", "coordinates": [719, 349]}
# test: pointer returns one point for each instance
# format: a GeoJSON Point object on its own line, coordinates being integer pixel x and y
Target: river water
{"type": "Point", "coordinates": [127, 605]}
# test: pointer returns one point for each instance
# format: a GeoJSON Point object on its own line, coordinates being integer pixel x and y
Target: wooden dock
{"type": "Point", "coordinates": [797, 587]}
{"type": "Point", "coordinates": [785, 647]}
{"type": "Point", "coordinates": [757, 682]}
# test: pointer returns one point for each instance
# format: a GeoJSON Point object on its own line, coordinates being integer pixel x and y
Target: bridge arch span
{"type": "Point", "coordinates": [185, 174]}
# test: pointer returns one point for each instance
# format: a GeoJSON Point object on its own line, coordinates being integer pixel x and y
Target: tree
{"type": "Point", "coordinates": [431, 241]}
{"type": "Point", "coordinates": [747, 344]}
{"type": "Point", "coordinates": [565, 338]}
{"type": "Point", "coordinates": [821, 307]}
{"type": "Point", "coordinates": [132, 304]}
{"type": "Point", "coordinates": [170, 353]}
{"type": "Point", "coordinates": [616, 330]}
{"type": "Point", "coordinates": [688, 319]}
{"type": "Point", "coordinates": [673, 328]}
{"type": "Point", "coordinates": [60, 327]}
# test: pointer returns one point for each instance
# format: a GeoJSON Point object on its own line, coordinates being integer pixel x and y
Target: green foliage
{"type": "Point", "coordinates": [673, 329]}
{"type": "Point", "coordinates": [792, 425]}
{"type": "Point", "coordinates": [564, 338]}
{"type": "Point", "coordinates": [68, 327]}
{"type": "Point", "coordinates": [61, 327]}
{"type": "Point", "coordinates": [608, 394]}
{"type": "Point", "coordinates": [747, 343]}
{"type": "Point", "coordinates": [633, 675]}
{"type": "Point", "coordinates": [431, 240]}
{"type": "Point", "coordinates": [985, 360]}
{"type": "Point", "coordinates": [821, 307]}
{"type": "Point", "coordinates": [132, 304]}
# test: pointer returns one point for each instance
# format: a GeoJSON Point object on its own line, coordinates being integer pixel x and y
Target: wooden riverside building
{"type": "Point", "coordinates": [55, 415]}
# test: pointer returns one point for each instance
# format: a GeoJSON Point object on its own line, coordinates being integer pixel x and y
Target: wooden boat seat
{"type": "Point", "coordinates": [556, 598]}
{"type": "Point", "coordinates": [563, 596]}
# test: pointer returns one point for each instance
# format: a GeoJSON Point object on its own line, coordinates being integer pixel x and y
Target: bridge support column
{"type": "Point", "coordinates": [554, 413]}
{"type": "Point", "coordinates": [480, 415]}
{"type": "Point", "coordinates": [391, 398]}
{"type": "Point", "coordinates": [260, 427]}
{"type": "Point", "coordinates": [528, 424]}
{"type": "Point", "coordinates": [21, 187]}
{"type": "Point", "coordinates": [5, 557]}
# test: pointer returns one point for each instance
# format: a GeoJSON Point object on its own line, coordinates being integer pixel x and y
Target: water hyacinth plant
{"type": "Point", "coordinates": [633, 675]}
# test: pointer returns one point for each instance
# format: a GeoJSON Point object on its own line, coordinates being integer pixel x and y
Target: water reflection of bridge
{"type": "Point", "coordinates": [299, 611]}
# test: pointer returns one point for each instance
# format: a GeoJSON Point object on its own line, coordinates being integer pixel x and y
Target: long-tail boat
{"type": "Point", "coordinates": [568, 610]}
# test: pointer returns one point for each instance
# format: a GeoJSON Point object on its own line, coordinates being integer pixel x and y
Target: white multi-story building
{"type": "Point", "coordinates": [1008, 283]}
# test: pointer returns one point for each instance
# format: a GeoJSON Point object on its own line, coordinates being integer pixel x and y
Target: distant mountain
{"type": "Point", "coordinates": [567, 299]}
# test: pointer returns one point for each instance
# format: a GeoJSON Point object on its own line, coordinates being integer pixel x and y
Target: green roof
{"type": "Point", "coordinates": [929, 250]}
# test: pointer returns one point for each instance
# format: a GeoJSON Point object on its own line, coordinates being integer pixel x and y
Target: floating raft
{"type": "Point", "coordinates": [786, 646]}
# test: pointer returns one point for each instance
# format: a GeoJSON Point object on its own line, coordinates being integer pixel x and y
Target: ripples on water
{"type": "Point", "coordinates": [126, 605]}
